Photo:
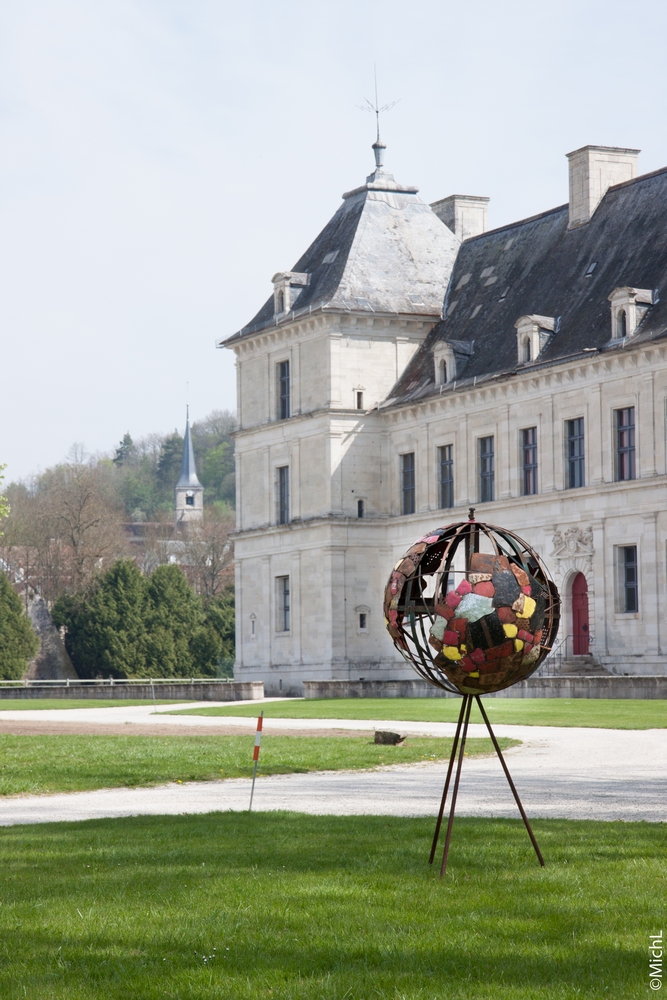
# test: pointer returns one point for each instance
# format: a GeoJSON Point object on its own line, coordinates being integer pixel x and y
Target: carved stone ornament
{"type": "Point", "coordinates": [573, 551]}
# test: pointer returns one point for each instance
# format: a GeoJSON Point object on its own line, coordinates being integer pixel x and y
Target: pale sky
{"type": "Point", "coordinates": [160, 160]}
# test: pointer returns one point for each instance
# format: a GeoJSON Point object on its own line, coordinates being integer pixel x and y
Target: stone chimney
{"type": "Point", "coordinates": [594, 169]}
{"type": "Point", "coordinates": [464, 214]}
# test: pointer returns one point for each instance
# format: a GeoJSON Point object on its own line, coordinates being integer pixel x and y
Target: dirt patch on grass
{"type": "Point", "coordinates": [49, 728]}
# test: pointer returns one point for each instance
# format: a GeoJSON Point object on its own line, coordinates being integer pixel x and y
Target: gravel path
{"type": "Point", "coordinates": [596, 774]}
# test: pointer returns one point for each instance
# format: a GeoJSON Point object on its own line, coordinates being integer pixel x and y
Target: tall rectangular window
{"type": "Point", "coordinates": [282, 494]}
{"type": "Point", "coordinates": [283, 604]}
{"type": "Point", "coordinates": [283, 391]}
{"type": "Point", "coordinates": [625, 443]}
{"type": "Point", "coordinates": [408, 483]}
{"type": "Point", "coordinates": [486, 469]}
{"type": "Point", "coordinates": [529, 450]}
{"type": "Point", "coordinates": [574, 431]}
{"type": "Point", "coordinates": [628, 595]}
{"type": "Point", "coordinates": [446, 475]}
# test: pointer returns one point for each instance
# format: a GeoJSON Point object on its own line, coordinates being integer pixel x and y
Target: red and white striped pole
{"type": "Point", "coordinates": [255, 756]}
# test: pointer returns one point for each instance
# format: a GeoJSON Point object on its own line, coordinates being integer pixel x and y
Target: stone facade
{"type": "Point", "coordinates": [315, 544]}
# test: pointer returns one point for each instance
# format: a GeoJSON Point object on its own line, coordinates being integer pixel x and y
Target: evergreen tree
{"type": "Point", "coordinates": [178, 642]}
{"type": "Point", "coordinates": [125, 450]}
{"type": "Point", "coordinates": [18, 642]}
{"type": "Point", "coordinates": [169, 463]}
{"type": "Point", "coordinates": [219, 613]}
{"type": "Point", "coordinates": [128, 626]}
{"type": "Point", "coordinates": [106, 625]}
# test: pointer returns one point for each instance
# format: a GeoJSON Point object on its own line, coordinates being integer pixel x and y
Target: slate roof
{"type": "Point", "coordinates": [538, 267]}
{"type": "Point", "coordinates": [188, 475]}
{"type": "Point", "coordinates": [391, 254]}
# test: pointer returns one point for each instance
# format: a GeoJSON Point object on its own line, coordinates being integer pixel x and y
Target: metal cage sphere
{"type": "Point", "coordinates": [472, 608]}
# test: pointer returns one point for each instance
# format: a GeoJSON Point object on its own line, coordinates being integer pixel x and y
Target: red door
{"type": "Point", "coordinates": [580, 615]}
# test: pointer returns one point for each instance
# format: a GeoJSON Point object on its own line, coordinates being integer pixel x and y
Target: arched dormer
{"type": "Point", "coordinates": [628, 308]}
{"type": "Point", "coordinates": [287, 286]}
{"type": "Point", "coordinates": [532, 336]}
{"type": "Point", "coordinates": [444, 362]}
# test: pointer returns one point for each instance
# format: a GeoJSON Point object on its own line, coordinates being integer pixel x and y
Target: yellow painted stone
{"type": "Point", "coordinates": [451, 652]}
{"type": "Point", "coordinates": [464, 648]}
{"type": "Point", "coordinates": [474, 673]}
{"type": "Point", "coordinates": [528, 607]}
{"type": "Point", "coordinates": [510, 631]}
{"type": "Point", "coordinates": [518, 645]}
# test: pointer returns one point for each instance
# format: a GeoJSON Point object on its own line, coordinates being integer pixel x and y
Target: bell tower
{"type": "Point", "coordinates": [189, 492]}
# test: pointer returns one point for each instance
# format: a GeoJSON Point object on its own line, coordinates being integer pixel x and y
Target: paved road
{"type": "Point", "coordinates": [571, 773]}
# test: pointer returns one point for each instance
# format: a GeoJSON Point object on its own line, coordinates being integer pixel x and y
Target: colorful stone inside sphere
{"type": "Point", "coordinates": [486, 631]}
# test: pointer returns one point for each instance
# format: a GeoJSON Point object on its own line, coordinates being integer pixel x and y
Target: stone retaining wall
{"type": "Point", "coordinates": [605, 686]}
{"type": "Point", "coordinates": [181, 690]}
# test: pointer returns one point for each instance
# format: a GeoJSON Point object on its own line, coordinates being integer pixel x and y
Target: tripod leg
{"type": "Point", "coordinates": [509, 779]}
{"type": "Point", "coordinates": [452, 758]}
{"type": "Point", "coordinates": [455, 792]}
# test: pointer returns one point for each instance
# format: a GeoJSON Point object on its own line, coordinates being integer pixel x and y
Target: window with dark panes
{"type": "Point", "coordinates": [486, 469]}
{"type": "Point", "coordinates": [283, 391]}
{"type": "Point", "coordinates": [625, 443]}
{"type": "Point", "coordinates": [529, 450]}
{"type": "Point", "coordinates": [574, 430]}
{"type": "Point", "coordinates": [282, 488]}
{"type": "Point", "coordinates": [283, 602]}
{"type": "Point", "coordinates": [629, 579]}
{"type": "Point", "coordinates": [408, 483]}
{"type": "Point", "coordinates": [446, 475]}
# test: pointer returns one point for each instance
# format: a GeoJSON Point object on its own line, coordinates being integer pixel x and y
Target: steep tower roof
{"type": "Point", "coordinates": [188, 469]}
{"type": "Point", "coordinates": [384, 251]}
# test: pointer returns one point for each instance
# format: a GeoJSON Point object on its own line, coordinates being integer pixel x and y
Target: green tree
{"type": "Point", "coordinates": [169, 463]}
{"type": "Point", "coordinates": [105, 625]}
{"type": "Point", "coordinates": [127, 625]}
{"type": "Point", "coordinates": [219, 613]}
{"type": "Point", "coordinates": [4, 502]}
{"type": "Point", "coordinates": [125, 451]}
{"type": "Point", "coordinates": [18, 642]}
{"type": "Point", "coordinates": [178, 642]}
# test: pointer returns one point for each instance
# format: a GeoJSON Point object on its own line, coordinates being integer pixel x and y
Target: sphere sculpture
{"type": "Point", "coordinates": [473, 609]}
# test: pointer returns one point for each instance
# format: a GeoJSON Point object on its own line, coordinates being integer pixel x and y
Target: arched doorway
{"type": "Point", "coordinates": [580, 624]}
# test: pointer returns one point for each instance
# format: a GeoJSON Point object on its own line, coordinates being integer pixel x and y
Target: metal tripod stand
{"type": "Point", "coordinates": [464, 718]}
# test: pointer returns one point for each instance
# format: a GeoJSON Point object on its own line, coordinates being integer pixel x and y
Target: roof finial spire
{"type": "Point", "coordinates": [378, 146]}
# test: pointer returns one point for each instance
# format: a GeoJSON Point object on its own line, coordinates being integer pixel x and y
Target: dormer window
{"type": "Point", "coordinates": [287, 287]}
{"type": "Point", "coordinates": [621, 325]}
{"type": "Point", "coordinates": [444, 363]}
{"type": "Point", "coordinates": [628, 308]}
{"type": "Point", "coordinates": [532, 335]}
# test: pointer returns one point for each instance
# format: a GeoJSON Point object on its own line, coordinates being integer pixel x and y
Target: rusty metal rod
{"type": "Point", "coordinates": [455, 792]}
{"type": "Point", "coordinates": [509, 779]}
{"type": "Point", "coordinates": [452, 758]}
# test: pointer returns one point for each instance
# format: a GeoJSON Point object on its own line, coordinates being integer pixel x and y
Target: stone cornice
{"type": "Point", "coordinates": [568, 374]}
{"type": "Point", "coordinates": [345, 323]}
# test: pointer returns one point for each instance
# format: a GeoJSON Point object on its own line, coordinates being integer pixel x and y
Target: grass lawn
{"type": "Point", "coordinates": [290, 907]}
{"type": "Point", "coordinates": [599, 713]}
{"type": "Point", "coordinates": [19, 704]}
{"type": "Point", "coordinates": [33, 764]}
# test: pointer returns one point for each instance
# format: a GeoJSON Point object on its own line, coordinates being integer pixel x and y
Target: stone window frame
{"type": "Point", "coordinates": [623, 585]}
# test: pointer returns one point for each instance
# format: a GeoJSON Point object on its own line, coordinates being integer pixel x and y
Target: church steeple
{"type": "Point", "coordinates": [189, 492]}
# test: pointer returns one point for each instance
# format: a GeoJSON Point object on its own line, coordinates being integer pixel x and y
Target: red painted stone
{"type": "Point", "coordinates": [463, 588]}
{"type": "Point", "coordinates": [526, 590]}
{"type": "Point", "coordinates": [477, 656]}
{"type": "Point", "coordinates": [453, 599]}
{"type": "Point", "coordinates": [444, 611]}
{"type": "Point", "coordinates": [506, 616]}
{"type": "Point", "coordinates": [467, 664]}
{"type": "Point", "coordinates": [451, 638]}
{"type": "Point", "coordinates": [484, 589]}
